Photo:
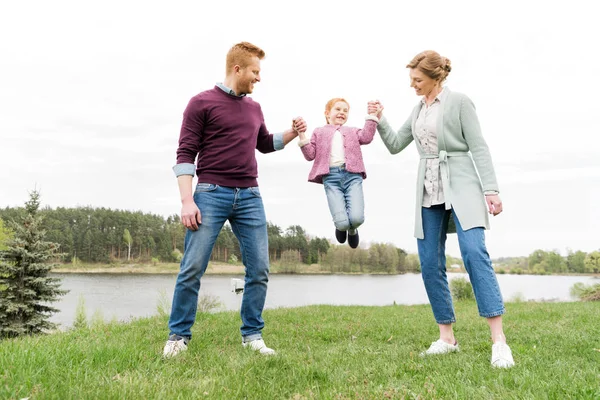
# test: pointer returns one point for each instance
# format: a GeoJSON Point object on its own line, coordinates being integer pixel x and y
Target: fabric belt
{"type": "Point", "coordinates": [445, 170]}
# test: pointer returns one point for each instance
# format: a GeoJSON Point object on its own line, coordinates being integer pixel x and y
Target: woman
{"type": "Point", "coordinates": [455, 178]}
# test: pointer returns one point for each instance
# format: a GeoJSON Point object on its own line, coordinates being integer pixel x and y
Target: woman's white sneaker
{"type": "Point", "coordinates": [440, 347]}
{"type": "Point", "coordinates": [502, 356]}
{"type": "Point", "coordinates": [259, 345]}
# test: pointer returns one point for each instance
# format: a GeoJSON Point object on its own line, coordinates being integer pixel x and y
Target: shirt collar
{"type": "Point", "coordinates": [441, 95]}
{"type": "Point", "coordinates": [228, 90]}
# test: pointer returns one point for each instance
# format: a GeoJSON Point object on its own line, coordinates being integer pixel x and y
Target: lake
{"type": "Point", "coordinates": [122, 297]}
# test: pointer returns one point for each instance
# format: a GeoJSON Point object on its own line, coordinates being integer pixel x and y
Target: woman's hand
{"type": "Point", "coordinates": [375, 108]}
{"type": "Point", "coordinates": [494, 204]}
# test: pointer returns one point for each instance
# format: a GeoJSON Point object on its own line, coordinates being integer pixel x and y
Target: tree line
{"type": "Point", "coordinates": [102, 235]}
{"type": "Point", "coordinates": [541, 262]}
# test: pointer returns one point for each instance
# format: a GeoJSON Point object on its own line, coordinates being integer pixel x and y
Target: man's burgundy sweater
{"type": "Point", "coordinates": [224, 131]}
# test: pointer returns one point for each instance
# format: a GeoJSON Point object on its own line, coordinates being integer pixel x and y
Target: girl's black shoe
{"type": "Point", "coordinates": [340, 236]}
{"type": "Point", "coordinates": [353, 240]}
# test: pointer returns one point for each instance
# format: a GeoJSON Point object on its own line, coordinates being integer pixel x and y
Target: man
{"type": "Point", "coordinates": [223, 127]}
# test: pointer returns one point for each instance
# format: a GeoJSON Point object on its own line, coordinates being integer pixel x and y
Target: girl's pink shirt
{"type": "Point", "coordinates": [319, 148]}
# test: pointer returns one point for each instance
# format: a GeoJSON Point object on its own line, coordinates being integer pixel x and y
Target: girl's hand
{"type": "Point", "coordinates": [375, 108]}
{"type": "Point", "coordinates": [299, 125]}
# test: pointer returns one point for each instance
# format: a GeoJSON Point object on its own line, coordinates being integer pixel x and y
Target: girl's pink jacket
{"type": "Point", "coordinates": [319, 148]}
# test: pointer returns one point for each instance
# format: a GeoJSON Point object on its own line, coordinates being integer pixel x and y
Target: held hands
{"type": "Point", "coordinates": [494, 204]}
{"type": "Point", "coordinates": [299, 126]}
{"type": "Point", "coordinates": [375, 108]}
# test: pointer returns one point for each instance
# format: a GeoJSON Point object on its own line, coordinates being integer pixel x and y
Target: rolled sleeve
{"type": "Point", "coordinates": [278, 141]}
{"type": "Point", "coordinates": [184, 169]}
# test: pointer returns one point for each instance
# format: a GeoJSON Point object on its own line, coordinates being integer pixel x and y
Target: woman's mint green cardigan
{"type": "Point", "coordinates": [465, 161]}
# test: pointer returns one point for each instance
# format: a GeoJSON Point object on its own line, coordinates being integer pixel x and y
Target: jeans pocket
{"type": "Point", "coordinates": [254, 190]}
{"type": "Point", "coordinates": [206, 187]}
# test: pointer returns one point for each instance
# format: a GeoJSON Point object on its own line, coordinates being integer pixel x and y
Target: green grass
{"type": "Point", "coordinates": [324, 352]}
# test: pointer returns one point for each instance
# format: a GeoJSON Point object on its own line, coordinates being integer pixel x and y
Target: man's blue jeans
{"type": "Point", "coordinates": [345, 198]}
{"type": "Point", "coordinates": [432, 249]}
{"type": "Point", "coordinates": [243, 207]}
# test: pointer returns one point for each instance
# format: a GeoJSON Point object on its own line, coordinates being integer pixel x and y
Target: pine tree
{"type": "Point", "coordinates": [25, 287]}
{"type": "Point", "coordinates": [5, 234]}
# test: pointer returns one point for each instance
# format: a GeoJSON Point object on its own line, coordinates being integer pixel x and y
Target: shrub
{"type": "Point", "coordinates": [80, 315]}
{"type": "Point", "coordinates": [177, 255]}
{"type": "Point", "coordinates": [461, 289]}
{"type": "Point", "coordinates": [208, 303]}
{"type": "Point", "coordinates": [586, 293]}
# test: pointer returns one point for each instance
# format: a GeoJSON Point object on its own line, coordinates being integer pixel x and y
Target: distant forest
{"type": "Point", "coordinates": [101, 235]}
{"type": "Point", "coordinates": [542, 262]}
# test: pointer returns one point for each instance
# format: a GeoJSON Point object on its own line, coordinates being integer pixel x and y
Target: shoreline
{"type": "Point", "coordinates": [164, 269]}
{"type": "Point", "coordinates": [226, 269]}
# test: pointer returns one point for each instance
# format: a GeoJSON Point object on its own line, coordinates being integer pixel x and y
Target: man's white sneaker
{"type": "Point", "coordinates": [502, 356]}
{"type": "Point", "coordinates": [258, 345]}
{"type": "Point", "coordinates": [440, 347]}
{"type": "Point", "coordinates": [175, 345]}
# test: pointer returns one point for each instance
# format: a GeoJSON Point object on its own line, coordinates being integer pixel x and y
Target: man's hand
{"type": "Point", "coordinates": [299, 125]}
{"type": "Point", "coordinates": [190, 215]}
{"type": "Point", "coordinates": [494, 204]}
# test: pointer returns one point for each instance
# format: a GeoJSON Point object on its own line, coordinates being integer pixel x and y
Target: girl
{"type": "Point", "coordinates": [339, 166]}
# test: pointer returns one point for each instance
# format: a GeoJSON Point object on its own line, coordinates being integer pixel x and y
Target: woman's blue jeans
{"type": "Point", "coordinates": [477, 262]}
{"type": "Point", "coordinates": [243, 207]}
{"type": "Point", "coordinates": [345, 198]}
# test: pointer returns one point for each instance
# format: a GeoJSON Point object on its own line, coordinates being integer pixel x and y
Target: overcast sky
{"type": "Point", "coordinates": [92, 95]}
